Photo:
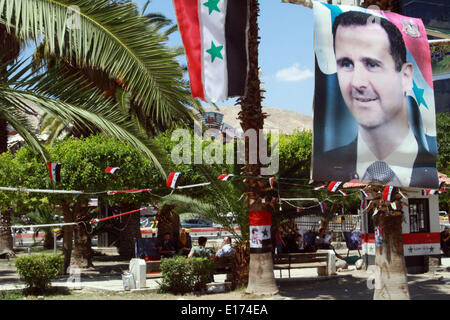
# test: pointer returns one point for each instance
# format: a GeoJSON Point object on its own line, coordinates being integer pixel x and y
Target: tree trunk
{"type": "Point", "coordinates": [67, 236]}
{"type": "Point", "coordinates": [391, 282]}
{"type": "Point", "coordinates": [129, 232]}
{"type": "Point", "coordinates": [82, 256]}
{"type": "Point", "coordinates": [48, 240]}
{"type": "Point", "coordinates": [6, 240]}
{"type": "Point", "coordinates": [261, 276]}
{"type": "Point", "coordinates": [168, 222]}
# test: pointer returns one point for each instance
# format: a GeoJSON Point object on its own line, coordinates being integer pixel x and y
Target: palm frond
{"type": "Point", "coordinates": [110, 36]}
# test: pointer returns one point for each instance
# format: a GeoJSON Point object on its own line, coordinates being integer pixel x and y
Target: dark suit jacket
{"type": "Point", "coordinates": [339, 165]}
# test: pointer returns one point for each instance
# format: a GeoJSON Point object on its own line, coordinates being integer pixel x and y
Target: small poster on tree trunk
{"type": "Point", "coordinates": [374, 108]}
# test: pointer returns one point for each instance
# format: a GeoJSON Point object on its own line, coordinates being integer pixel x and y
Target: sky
{"type": "Point", "coordinates": [286, 54]}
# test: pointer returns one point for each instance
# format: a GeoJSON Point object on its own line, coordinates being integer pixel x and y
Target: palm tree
{"type": "Point", "coordinates": [44, 215]}
{"type": "Point", "coordinates": [223, 204]}
{"type": "Point", "coordinates": [108, 36]}
{"type": "Point", "coordinates": [389, 257]}
{"type": "Point", "coordinates": [261, 276]}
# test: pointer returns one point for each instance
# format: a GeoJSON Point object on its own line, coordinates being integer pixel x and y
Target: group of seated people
{"type": "Point", "coordinates": [294, 242]}
{"type": "Point", "coordinates": [169, 248]}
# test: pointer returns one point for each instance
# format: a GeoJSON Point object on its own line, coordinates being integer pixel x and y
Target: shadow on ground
{"type": "Point", "coordinates": [356, 288]}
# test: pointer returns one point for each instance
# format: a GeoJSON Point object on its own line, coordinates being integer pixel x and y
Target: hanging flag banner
{"type": "Point", "coordinates": [54, 171]}
{"type": "Point", "coordinates": [343, 193]}
{"type": "Point", "coordinates": [260, 224]}
{"type": "Point", "coordinates": [322, 206]}
{"type": "Point", "coordinates": [320, 187]}
{"type": "Point", "coordinates": [334, 185]}
{"type": "Point", "coordinates": [112, 170]}
{"type": "Point", "coordinates": [214, 35]}
{"type": "Point", "coordinates": [226, 177]}
{"type": "Point", "coordinates": [388, 193]}
{"type": "Point", "coordinates": [429, 191]}
{"type": "Point", "coordinates": [374, 107]}
{"type": "Point", "coordinates": [173, 179]}
{"type": "Point", "coordinates": [365, 194]}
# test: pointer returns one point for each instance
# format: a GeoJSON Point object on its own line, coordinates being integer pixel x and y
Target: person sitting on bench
{"type": "Point", "coordinates": [323, 241]}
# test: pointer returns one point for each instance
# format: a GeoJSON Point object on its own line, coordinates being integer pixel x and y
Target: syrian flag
{"type": "Point", "coordinates": [274, 201]}
{"type": "Point", "coordinates": [214, 34]}
{"type": "Point", "coordinates": [322, 206]}
{"type": "Point", "coordinates": [388, 193]}
{"type": "Point", "coordinates": [271, 182]}
{"type": "Point", "coordinates": [427, 192]}
{"type": "Point", "coordinates": [54, 171]}
{"type": "Point", "coordinates": [260, 223]}
{"type": "Point", "coordinates": [226, 177]}
{"type": "Point", "coordinates": [363, 204]}
{"type": "Point", "coordinates": [364, 194]}
{"type": "Point", "coordinates": [343, 193]}
{"type": "Point", "coordinates": [334, 185]}
{"type": "Point", "coordinates": [173, 179]}
{"type": "Point", "coordinates": [320, 187]}
{"type": "Point", "coordinates": [298, 210]}
{"type": "Point", "coordinates": [112, 170]}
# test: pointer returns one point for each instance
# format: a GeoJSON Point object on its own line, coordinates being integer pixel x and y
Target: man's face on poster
{"type": "Point", "coordinates": [372, 88]}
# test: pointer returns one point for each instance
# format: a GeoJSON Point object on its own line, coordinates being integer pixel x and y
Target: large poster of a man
{"type": "Point", "coordinates": [374, 115]}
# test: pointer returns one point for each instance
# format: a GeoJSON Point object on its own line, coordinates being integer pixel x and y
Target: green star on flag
{"type": "Point", "coordinates": [418, 92]}
{"type": "Point", "coordinates": [212, 5]}
{"type": "Point", "coordinates": [215, 52]}
{"type": "Point", "coordinates": [265, 233]}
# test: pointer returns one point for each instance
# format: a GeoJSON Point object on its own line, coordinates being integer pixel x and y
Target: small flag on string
{"type": "Point", "coordinates": [343, 193]}
{"type": "Point", "coordinates": [427, 192]}
{"type": "Point", "coordinates": [271, 182]}
{"type": "Point", "coordinates": [274, 200]}
{"type": "Point", "coordinates": [322, 206]}
{"type": "Point", "coordinates": [363, 204]}
{"type": "Point", "coordinates": [226, 177]}
{"type": "Point", "coordinates": [364, 194]}
{"type": "Point", "coordinates": [112, 170]}
{"type": "Point", "coordinates": [334, 185]}
{"type": "Point", "coordinates": [320, 187]}
{"type": "Point", "coordinates": [299, 210]}
{"type": "Point", "coordinates": [388, 193]}
{"type": "Point", "coordinates": [173, 179]}
{"type": "Point", "coordinates": [54, 171]}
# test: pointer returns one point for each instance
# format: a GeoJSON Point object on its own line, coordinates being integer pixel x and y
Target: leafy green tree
{"type": "Point", "coordinates": [83, 169]}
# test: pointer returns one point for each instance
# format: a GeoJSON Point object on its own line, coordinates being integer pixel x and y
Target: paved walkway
{"type": "Point", "coordinates": [113, 281]}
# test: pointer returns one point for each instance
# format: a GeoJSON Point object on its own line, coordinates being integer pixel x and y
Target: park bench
{"type": "Point", "coordinates": [323, 260]}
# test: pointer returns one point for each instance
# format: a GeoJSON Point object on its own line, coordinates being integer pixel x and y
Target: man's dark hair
{"type": "Point", "coordinates": [202, 240]}
{"type": "Point", "coordinates": [321, 229]}
{"type": "Point", "coordinates": [357, 18]}
{"type": "Point", "coordinates": [227, 237]}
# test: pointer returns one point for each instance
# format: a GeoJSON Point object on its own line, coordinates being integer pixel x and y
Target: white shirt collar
{"type": "Point", "coordinates": [400, 161]}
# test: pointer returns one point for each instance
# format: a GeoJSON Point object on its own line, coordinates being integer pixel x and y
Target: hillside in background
{"type": "Point", "coordinates": [287, 121]}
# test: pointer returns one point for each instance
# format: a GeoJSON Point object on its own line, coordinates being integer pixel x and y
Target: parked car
{"type": "Point", "coordinates": [196, 223]}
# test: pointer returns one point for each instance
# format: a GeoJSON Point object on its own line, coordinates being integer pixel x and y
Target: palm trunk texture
{"type": "Point", "coordinates": [389, 257]}
{"type": "Point", "coordinates": [261, 279]}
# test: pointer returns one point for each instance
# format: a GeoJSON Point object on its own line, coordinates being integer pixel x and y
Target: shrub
{"type": "Point", "coordinates": [182, 275]}
{"type": "Point", "coordinates": [37, 270]}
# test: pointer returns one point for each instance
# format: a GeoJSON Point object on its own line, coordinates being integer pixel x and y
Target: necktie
{"type": "Point", "coordinates": [379, 171]}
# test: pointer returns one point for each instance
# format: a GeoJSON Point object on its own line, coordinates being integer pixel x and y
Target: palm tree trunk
{"type": "Point", "coordinates": [67, 236]}
{"type": "Point", "coordinates": [389, 258]}
{"type": "Point", "coordinates": [391, 281]}
{"type": "Point", "coordinates": [261, 276]}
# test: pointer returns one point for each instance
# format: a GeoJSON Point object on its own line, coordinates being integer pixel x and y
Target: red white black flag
{"type": "Point", "coordinates": [334, 185]}
{"type": "Point", "coordinates": [320, 187]}
{"type": "Point", "coordinates": [112, 170]}
{"type": "Point", "coordinates": [226, 177]}
{"type": "Point", "coordinates": [388, 193]}
{"type": "Point", "coordinates": [214, 35]}
{"type": "Point", "coordinates": [54, 171]}
{"type": "Point", "coordinates": [173, 179]}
